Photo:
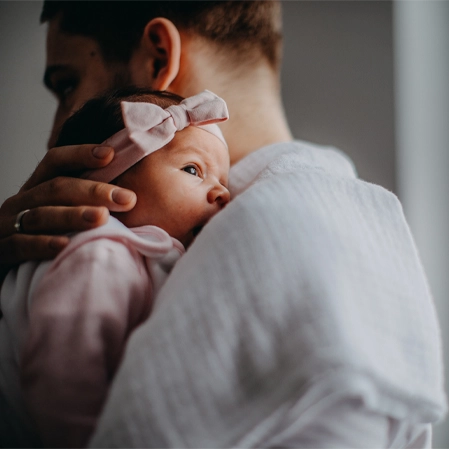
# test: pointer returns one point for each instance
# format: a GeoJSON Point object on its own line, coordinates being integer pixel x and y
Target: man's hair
{"type": "Point", "coordinates": [101, 117]}
{"type": "Point", "coordinates": [117, 26]}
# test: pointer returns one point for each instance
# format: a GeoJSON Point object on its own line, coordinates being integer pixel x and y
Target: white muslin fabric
{"type": "Point", "coordinates": [300, 316]}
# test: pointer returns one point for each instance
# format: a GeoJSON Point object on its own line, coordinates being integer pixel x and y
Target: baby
{"type": "Point", "coordinates": [66, 322]}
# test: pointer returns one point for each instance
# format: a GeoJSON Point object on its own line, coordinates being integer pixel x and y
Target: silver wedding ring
{"type": "Point", "coordinates": [18, 223]}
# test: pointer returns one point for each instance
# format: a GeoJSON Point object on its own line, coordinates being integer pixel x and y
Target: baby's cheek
{"type": "Point", "coordinates": [137, 216]}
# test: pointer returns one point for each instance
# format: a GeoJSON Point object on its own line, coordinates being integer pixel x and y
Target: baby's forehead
{"type": "Point", "coordinates": [198, 142]}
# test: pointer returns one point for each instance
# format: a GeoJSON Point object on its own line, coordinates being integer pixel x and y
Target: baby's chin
{"type": "Point", "coordinates": [189, 238]}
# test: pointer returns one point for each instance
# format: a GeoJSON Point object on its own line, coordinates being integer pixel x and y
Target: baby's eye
{"type": "Point", "coordinates": [191, 169]}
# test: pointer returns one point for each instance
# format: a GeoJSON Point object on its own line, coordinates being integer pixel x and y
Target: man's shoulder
{"type": "Point", "coordinates": [329, 217]}
{"type": "Point", "coordinates": [304, 178]}
{"type": "Point", "coordinates": [303, 156]}
{"type": "Point", "coordinates": [287, 157]}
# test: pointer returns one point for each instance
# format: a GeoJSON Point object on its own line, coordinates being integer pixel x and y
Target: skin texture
{"type": "Point", "coordinates": [181, 186]}
{"type": "Point", "coordinates": [166, 59]}
{"type": "Point", "coordinates": [75, 72]}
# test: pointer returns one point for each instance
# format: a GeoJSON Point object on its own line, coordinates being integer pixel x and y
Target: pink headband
{"type": "Point", "coordinates": [149, 127]}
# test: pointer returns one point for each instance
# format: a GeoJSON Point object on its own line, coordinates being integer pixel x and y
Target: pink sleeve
{"type": "Point", "coordinates": [80, 317]}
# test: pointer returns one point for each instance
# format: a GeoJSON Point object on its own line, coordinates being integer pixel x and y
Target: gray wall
{"type": "Point", "coordinates": [421, 37]}
{"type": "Point", "coordinates": [26, 109]}
{"type": "Point", "coordinates": [338, 80]}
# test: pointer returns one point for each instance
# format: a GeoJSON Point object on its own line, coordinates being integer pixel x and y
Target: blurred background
{"type": "Point", "coordinates": [369, 77]}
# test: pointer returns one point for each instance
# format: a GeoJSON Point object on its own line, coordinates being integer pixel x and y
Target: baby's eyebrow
{"type": "Point", "coordinates": [191, 153]}
{"type": "Point", "coordinates": [188, 148]}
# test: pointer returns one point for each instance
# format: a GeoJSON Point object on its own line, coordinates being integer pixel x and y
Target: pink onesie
{"type": "Point", "coordinates": [80, 314]}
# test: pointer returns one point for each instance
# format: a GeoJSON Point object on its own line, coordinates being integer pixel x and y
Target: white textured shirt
{"type": "Point", "coordinates": [300, 317]}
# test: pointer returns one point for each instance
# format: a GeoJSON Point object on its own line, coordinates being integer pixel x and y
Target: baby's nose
{"type": "Point", "coordinates": [220, 195]}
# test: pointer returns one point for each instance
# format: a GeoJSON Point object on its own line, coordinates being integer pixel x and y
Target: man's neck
{"type": "Point", "coordinates": [257, 117]}
{"type": "Point", "coordinates": [252, 94]}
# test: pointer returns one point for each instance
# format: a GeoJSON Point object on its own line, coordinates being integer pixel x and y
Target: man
{"type": "Point", "coordinates": [301, 315]}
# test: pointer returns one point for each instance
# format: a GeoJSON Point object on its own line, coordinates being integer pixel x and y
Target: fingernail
{"type": "Point", "coordinates": [58, 243]}
{"type": "Point", "coordinates": [101, 152]}
{"type": "Point", "coordinates": [123, 197]}
{"type": "Point", "coordinates": [90, 215]}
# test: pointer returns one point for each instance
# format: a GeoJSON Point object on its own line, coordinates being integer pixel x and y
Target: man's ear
{"type": "Point", "coordinates": [162, 42]}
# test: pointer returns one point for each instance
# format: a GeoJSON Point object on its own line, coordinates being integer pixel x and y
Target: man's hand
{"type": "Point", "coordinates": [59, 203]}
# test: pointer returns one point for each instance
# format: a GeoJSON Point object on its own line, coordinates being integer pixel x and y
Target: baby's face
{"type": "Point", "coordinates": [181, 186]}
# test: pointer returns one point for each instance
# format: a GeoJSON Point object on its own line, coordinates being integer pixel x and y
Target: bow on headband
{"type": "Point", "coordinates": [149, 127]}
